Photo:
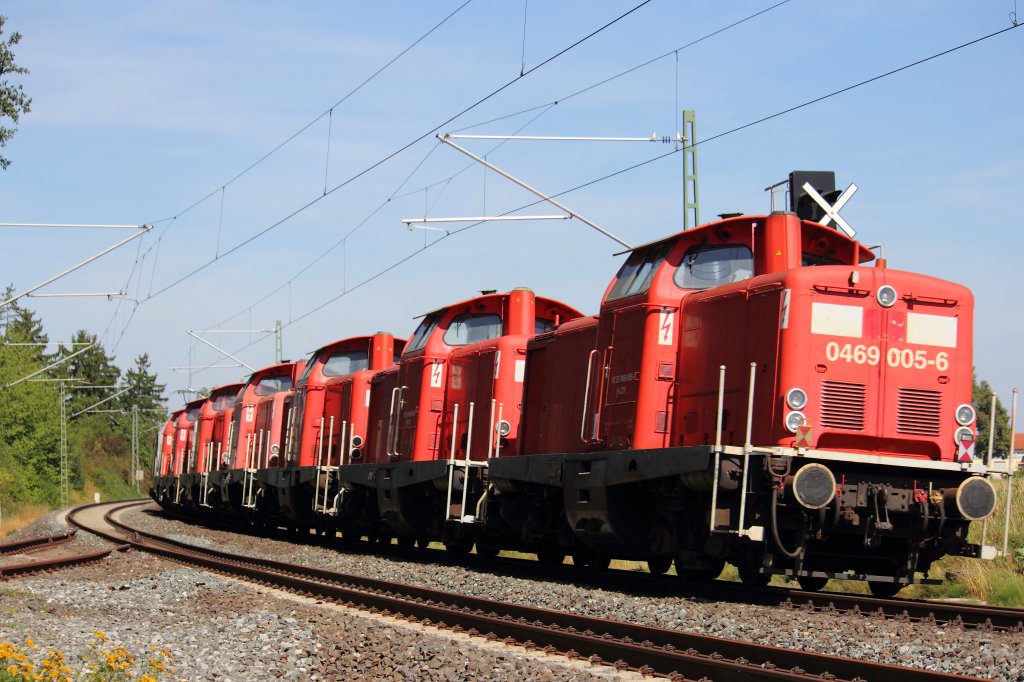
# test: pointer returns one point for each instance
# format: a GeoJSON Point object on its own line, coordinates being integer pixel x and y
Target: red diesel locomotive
{"type": "Point", "coordinates": [759, 390]}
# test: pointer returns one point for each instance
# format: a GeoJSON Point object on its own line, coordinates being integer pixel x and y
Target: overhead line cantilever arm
{"type": "Point", "coordinates": [97, 404]}
{"type": "Point", "coordinates": [446, 139]}
{"type": "Point", "coordinates": [143, 229]}
{"type": "Point", "coordinates": [50, 366]}
{"type": "Point", "coordinates": [219, 350]}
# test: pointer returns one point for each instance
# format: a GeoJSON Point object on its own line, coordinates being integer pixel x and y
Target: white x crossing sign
{"type": "Point", "coordinates": [832, 210]}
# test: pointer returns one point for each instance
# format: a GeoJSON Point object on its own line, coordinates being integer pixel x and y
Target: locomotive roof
{"type": "Point", "coordinates": [227, 388]}
{"type": "Point", "coordinates": [867, 256]}
{"type": "Point", "coordinates": [496, 295]}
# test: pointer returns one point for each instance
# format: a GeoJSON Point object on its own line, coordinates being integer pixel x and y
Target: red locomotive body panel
{"type": "Point", "coordinates": [250, 444]}
{"type": "Point", "coordinates": [167, 441]}
{"type": "Point", "coordinates": [185, 437]}
{"type": "Point", "coordinates": [878, 380]}
{"type": "Point", "coordinates": [490, 374]}
{"type": "Point", "coordinates": [332, 395]}
{"type": "Point", "coordinates": [214, 427]}
{"type": "Point", "coordinates": [556, 377]}
{"type": "Point", "coordinates": [408, 402]}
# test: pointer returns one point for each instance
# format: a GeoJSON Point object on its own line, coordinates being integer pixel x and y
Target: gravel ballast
{"type": "Point", "coordinates": [952, 649]}
{"type": "Point", "coordinates": [216, 628]}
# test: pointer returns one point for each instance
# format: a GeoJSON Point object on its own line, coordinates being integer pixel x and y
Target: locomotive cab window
{"type": "Point", "coordinates": [472, 328]}
{"type": "Point", "coordinates": [272, 385]}
{"type": "Point", "coordinates": [635, 275]}
{"type": "Point", "coordinates": [223, 402]}
{"type": "Point", "coordinates": [309, 368]}
{"type": "Point", "coordinates": [422, 333]}
{"type": "Point", "coordinates": [541, 325]}
{"type": "Point", "coordinates": [346, 362]}
{"type": "Point", "coordinates": [710, 266]}
{"type": "Point", "coordinates": [809, 259]}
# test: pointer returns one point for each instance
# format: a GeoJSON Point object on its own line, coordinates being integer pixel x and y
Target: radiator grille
{"type": "Point", "coordinates": [842, 405]}
{"type": "Point", "coordinates": [918, 412]}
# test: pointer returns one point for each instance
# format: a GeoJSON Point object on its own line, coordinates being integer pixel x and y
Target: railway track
{"type": "Point", "coordinates": [971, 616]}
{"type": "Point", "coordinates": [47, 553]}
{"type": "Point", "coordinates": [25, 545]}
{"type": "Point", "coordinates": [651, 651]}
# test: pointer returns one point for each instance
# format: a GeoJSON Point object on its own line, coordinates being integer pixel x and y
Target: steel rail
{"type": "Point", "coordinates": [971, 616]}
{"type": "Point", "coordinates": [37, 543]}
{"type": "Point", "coordinates": [652, 651]}
{"type": "Point", "coordinates": [42, 565]}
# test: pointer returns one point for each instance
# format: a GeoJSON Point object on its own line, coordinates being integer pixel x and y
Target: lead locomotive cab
{"type": "Point", "coordinates": [757, 392]}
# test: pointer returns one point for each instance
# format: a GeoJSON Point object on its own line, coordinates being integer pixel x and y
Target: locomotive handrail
{"type": "Point", "coordinates": [586, 396]}
{"type": "Point", "coordinates": [747, 448]}
{"type": "Point", "coordinates": [451, 464]}
{"type": "Point", "coordinates": [465, 474]}
{"type": "Point", "coordinates": [718, 447]}
{"type": "Point", "coordinates": [390, 445]}
{"type": "Point", "coordinates": [490, 435]}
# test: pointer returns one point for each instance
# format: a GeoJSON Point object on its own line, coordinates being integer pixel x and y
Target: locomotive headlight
{"type": "Point", "coordinates": [965, 415]}
{"type": "Point", "coordinates": [794, 420]}
{"type": "Point", "coordinates": [796, 398]}
{"type": "Point", "coordinates": [886, 296]}
{"type": "Point", "coordinates": [503, 428]}
{"type": "Point", "coordinates": [962, 434]}
{"type": "Point", "coordinates": [357, 441]}
{"type": "Point", "coordinates": [274, 449]}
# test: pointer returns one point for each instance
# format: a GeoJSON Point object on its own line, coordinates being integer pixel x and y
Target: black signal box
{"type": "Point", "coordinates": [801, 203]}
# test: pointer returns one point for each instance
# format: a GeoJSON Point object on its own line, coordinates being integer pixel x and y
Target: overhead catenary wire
{"type": "Point", "coordinates": [327, 112]}
{"type": "Point", "coordinates": [635, 166]}
{"type": "Point", "coordinates": [398, 151]}
{"type": "Point", "coordinates": [396, 194]}
{"type": "Point", "coordinates": [543, 108]}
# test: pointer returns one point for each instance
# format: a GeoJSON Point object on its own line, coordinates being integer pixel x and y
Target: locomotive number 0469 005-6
{"type": "Point", "coordinates": [869, 354]}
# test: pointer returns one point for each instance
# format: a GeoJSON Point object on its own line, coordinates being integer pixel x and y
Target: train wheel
{"type": "Point", "coordinates": [487, 551]}
{"type": "Point", "coordinates": [751, 577]}
{"type": "Point", "coordinates": [811, 583]}
{"type": "Point", "coordinates": [591, 561]}
{"type": "Point", "coordinates": [659, 564]}
{"type": "Point", "coordinates": [703, 574]}
{"type": "Point", "coordinates": [458, 546]}
{"type": "Point", "coordinates": [550, 557]}
{"type": "Point", "coordinates": [884, 590]}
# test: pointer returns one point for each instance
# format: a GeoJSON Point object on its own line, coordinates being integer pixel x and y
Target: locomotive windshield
{"type": "Point", "coordinates": [272, 385]}
{"type": "Point", "coordinates": [223, 402]}
{"type": "Point", "coordinates": [635, 275]}
{"type": "Point", "coordinates": [419, 338]}
{"type": "Point", "coordinates": [472, 328]}
{"type": "Point", "coordinates": [710, 266]}
{"type": "Point", "coordinates": [346, 362]}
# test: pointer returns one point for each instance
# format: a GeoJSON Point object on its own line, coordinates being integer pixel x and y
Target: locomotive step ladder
{"type": "Point", "coordinates": [254, 452]}
{"type": "Point", "coordinates": [469, 466]}
{"type": "Point", "coordinates": [204, 487]}
{"type": "Point", "coordinates": [327, 472]}
{"type": "Point", "coordinates": [755, 533]}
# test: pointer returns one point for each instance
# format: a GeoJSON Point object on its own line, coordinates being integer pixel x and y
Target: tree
{"type": "Point", "coordinates": [20, 325]}
{"type": "Point", "coordinates": [145, 394]}
{"type": "Point", "coordinates": [981, 396]}
{"type": "Point", "coordinates": [13, 101]}
{"type": "Point", "coordinates": [29, 413]}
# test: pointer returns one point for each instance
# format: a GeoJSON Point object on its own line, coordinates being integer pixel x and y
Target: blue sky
{"type": "Point", "coordinates": [141, 109]}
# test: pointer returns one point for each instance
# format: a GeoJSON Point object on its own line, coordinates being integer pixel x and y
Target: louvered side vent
{"type": "Point", "coordinates": [918, 412]}
{"type": "Point", "coordinates": [842, 405]}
